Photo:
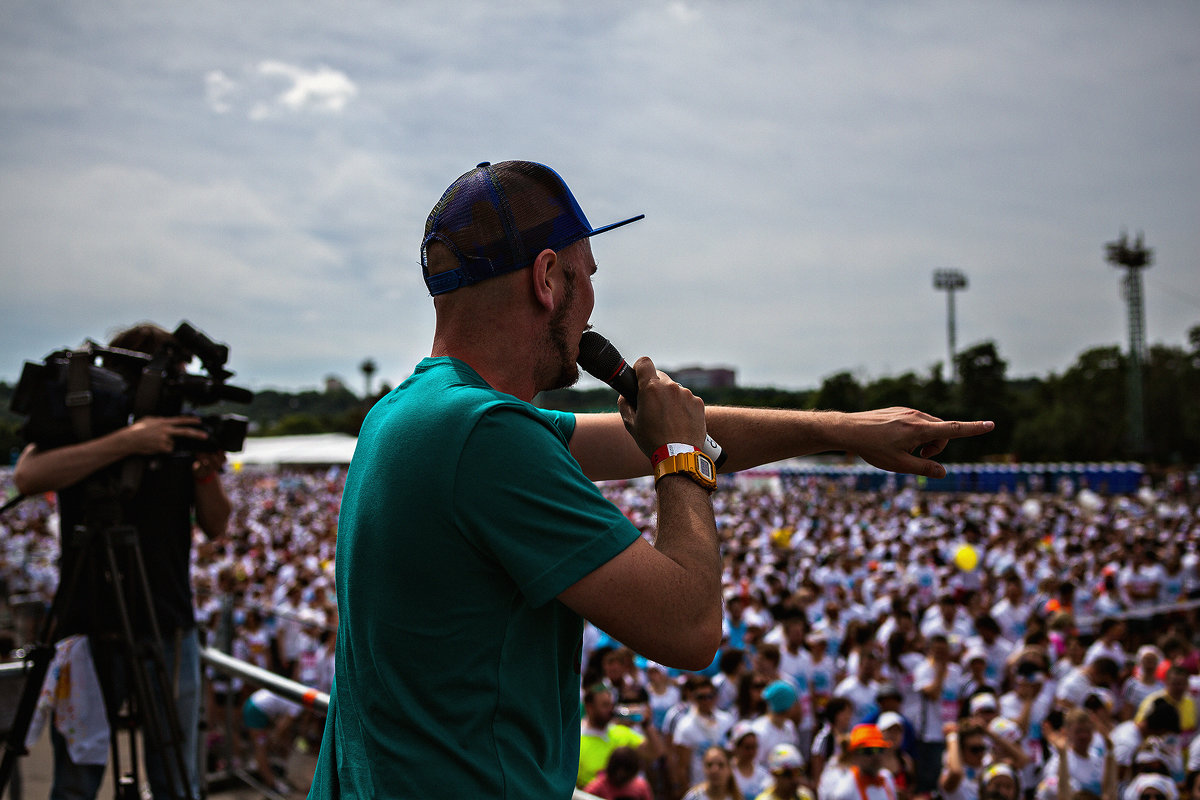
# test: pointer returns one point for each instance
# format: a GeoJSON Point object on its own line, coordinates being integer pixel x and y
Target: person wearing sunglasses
{"type": "Point", "coordinates": [701, 727]}
{"type": "Point", "coordinates": [967, 753]}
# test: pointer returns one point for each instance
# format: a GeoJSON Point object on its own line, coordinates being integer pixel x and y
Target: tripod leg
{"type": "Point", "coordinates": [153, 699]}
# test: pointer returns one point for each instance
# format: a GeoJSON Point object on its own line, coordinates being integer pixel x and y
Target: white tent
{"type": "Point", "coordinates": [317, 449]}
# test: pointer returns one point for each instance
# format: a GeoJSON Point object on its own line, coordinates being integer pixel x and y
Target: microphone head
{"type": "Point", "coordinates": [598, 357]}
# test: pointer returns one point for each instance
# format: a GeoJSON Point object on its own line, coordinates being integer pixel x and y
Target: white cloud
{"type": "Point", "coordinates": [218, 89]}
{"type": "Point", "coordinates": [257, 93]}
{"type": "Point", "coordinates": [320, 90]}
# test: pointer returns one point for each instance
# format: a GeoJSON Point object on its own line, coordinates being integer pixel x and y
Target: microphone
{"type": "Point", "coordinates": [601, 360]}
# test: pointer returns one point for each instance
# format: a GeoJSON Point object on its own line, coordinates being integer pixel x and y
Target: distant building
{"type": "Point", "coordinates": [334, 385]}
{"type": "Point", "coordinates": [700, 378]}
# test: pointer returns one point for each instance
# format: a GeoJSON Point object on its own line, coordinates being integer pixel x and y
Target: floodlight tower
{"type": "Point", "coordinates": [1134, 258]}
{"type": "Point", "coordinates": [951, 280]}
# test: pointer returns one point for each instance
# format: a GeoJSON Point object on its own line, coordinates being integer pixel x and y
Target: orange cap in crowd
{"type": "Point", "coordinates": [867, 736]}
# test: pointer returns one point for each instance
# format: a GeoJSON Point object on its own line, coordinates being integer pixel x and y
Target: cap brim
{"type": "Point", "coordinates": [616, 225]}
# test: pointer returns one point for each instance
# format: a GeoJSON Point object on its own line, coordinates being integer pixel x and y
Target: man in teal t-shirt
{"type": "Point", "coordinates": [460, 562]}
{"type": "Point", "coordinates": [472, 542]}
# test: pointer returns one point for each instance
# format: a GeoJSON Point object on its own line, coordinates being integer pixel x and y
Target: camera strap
{"type": "Point", "coordinates": [79, 391]}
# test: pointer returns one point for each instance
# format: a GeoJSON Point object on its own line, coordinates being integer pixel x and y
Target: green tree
{"type": "Point", "coordinates": [1082, 413]}
{"type": "Point", "coordinates": [983, 394]}
{"type": "Point", "coordinates": [840, 392]}
{"type": "Point", "coordinates": [906, 390]}
{"type": "Point", "coordinates": [1171, 390]}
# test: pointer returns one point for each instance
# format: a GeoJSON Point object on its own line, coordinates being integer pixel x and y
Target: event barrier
{"type": "Point", "coordinates": [1105, 478]}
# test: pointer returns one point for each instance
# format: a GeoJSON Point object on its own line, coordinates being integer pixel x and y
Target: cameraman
{"type": "Point", "coordinates": [172, 484]}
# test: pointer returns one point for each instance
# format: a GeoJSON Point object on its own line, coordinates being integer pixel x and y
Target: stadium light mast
{"type": "Point", "coordinates": [368, 369]}
{"type": "Point", "coordinates": [951, 280]}
{"type": "Point", "coordinates": [1134, 258]}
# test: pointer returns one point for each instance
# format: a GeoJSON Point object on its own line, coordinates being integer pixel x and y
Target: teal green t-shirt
{"type": "Point", "coordinates": [463, 517]}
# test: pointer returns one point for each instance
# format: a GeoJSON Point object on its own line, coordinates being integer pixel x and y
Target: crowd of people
{"type": "Point", "coordinates": [894, 644]}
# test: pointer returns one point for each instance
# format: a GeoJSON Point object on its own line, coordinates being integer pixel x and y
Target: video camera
{"type": "Point", "coordinates": [70, 398]}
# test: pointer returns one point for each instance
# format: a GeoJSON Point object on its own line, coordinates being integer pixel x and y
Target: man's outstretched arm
{"type": "Point", "coordinates": [887, 438]}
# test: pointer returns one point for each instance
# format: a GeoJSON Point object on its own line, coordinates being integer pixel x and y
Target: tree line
{"type": "Point", "coordinates": [1080, 414]}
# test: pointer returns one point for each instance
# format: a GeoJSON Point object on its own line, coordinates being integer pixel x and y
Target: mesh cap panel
{"type": "Point", "coordinates": [497, 218]}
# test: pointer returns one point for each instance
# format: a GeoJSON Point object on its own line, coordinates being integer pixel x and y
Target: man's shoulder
{"type": "Point", "coordinates": [445, 400]}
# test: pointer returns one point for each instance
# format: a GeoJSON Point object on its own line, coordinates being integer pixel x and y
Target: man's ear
{"type": "Point", "coordinates": [546, 274]}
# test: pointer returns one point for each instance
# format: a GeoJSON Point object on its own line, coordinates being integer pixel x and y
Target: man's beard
{"type": "Point", "coordinates": [563, 368]}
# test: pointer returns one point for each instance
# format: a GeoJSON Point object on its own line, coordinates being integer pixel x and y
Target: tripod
{"type": "Point", "coordinates": [122, 658]}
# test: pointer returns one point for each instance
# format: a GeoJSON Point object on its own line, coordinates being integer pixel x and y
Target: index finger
{"type": "Point", "coordinates": [960, 430]}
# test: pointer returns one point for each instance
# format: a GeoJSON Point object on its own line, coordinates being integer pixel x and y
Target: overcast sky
{"type": "Point", "coordinates": [264, 170]}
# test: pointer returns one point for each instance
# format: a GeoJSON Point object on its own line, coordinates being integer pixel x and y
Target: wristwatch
{"type": "Point", "coordinates": [696, 465]}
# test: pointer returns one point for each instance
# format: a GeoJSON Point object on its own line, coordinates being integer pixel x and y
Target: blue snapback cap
{"type": "Point", "coordinates": [496, 218]}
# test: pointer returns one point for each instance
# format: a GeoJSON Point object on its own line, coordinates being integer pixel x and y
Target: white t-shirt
{"type": "Point", "coordinates": [862, 695]}
{"type": "Point", "coordinates": [1075, 687]}
{"type": "Point", "coordinates": [272, 705]}
{"type": "Point", "coordinates": [699, 733]}
{"type": "Point", "coordinates": [1031, 742]}
{"type": "Point", "coordinates": [845, 787]}
{"type": "Point", "coordinates": [799, 668]}
{"type": "Point", "coordinates": [755, 784]}
{"type": "Point", "coordinates": [769, 735]}
{"type": "Point", "coordinates": [1011, 618]}
{"type": "Point", "coordinates": [934, 714]}
{"type": "Point", "coordinates": [1086, 772]}
{"type": "Point", "coordinates": [1125, 738]}
{"type": "Point", "coordinates": [968, 787]}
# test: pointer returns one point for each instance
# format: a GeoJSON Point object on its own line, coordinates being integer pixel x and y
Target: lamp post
{"type": "Point", "coordinates": [950, 280]}
{"type": "Point", "coordinates": [1134, 258]}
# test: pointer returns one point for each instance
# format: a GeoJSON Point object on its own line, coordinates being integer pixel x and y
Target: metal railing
{"type": "Point", "coordinates": [284, 687]}
{"type": "Point", "coordinates": [306, 696]}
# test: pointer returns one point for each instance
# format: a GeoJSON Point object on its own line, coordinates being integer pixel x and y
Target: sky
{"type": "Point", "coordinates": [264, 171]}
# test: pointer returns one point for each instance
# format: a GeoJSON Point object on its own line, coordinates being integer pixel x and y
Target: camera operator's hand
{"type": "Point", "coordinates": [152, 435]}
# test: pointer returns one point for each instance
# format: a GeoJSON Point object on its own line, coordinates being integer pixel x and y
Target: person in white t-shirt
{"type": "Point", "coordinates": [702, 726]}
{"type": "Point", "coordinates": [967, 754]}
{"type": "Point", "coordinates": [938, 680]}
{"type": "Point", "coordinates": [776, 726]}
{"type": "Point", "coordinates": [1162, 720]}
{"type": "Point", "coordinates": [1108, 643]}
{"type": "Point", "coordinates": [861, 687]}
{"type": "Point", "coordinates": [269, 719]}
{"type": "Point", "coordinates": [1089, 762]}
{"type": "Point", "coordinates": [1144, 681]}
{"type": "Point", "coordinates": [1080, 683]}
{"type": "Point", "coordinates": [1028, 704]}
{"type": "Point", "coordinates": [1011, 612]}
